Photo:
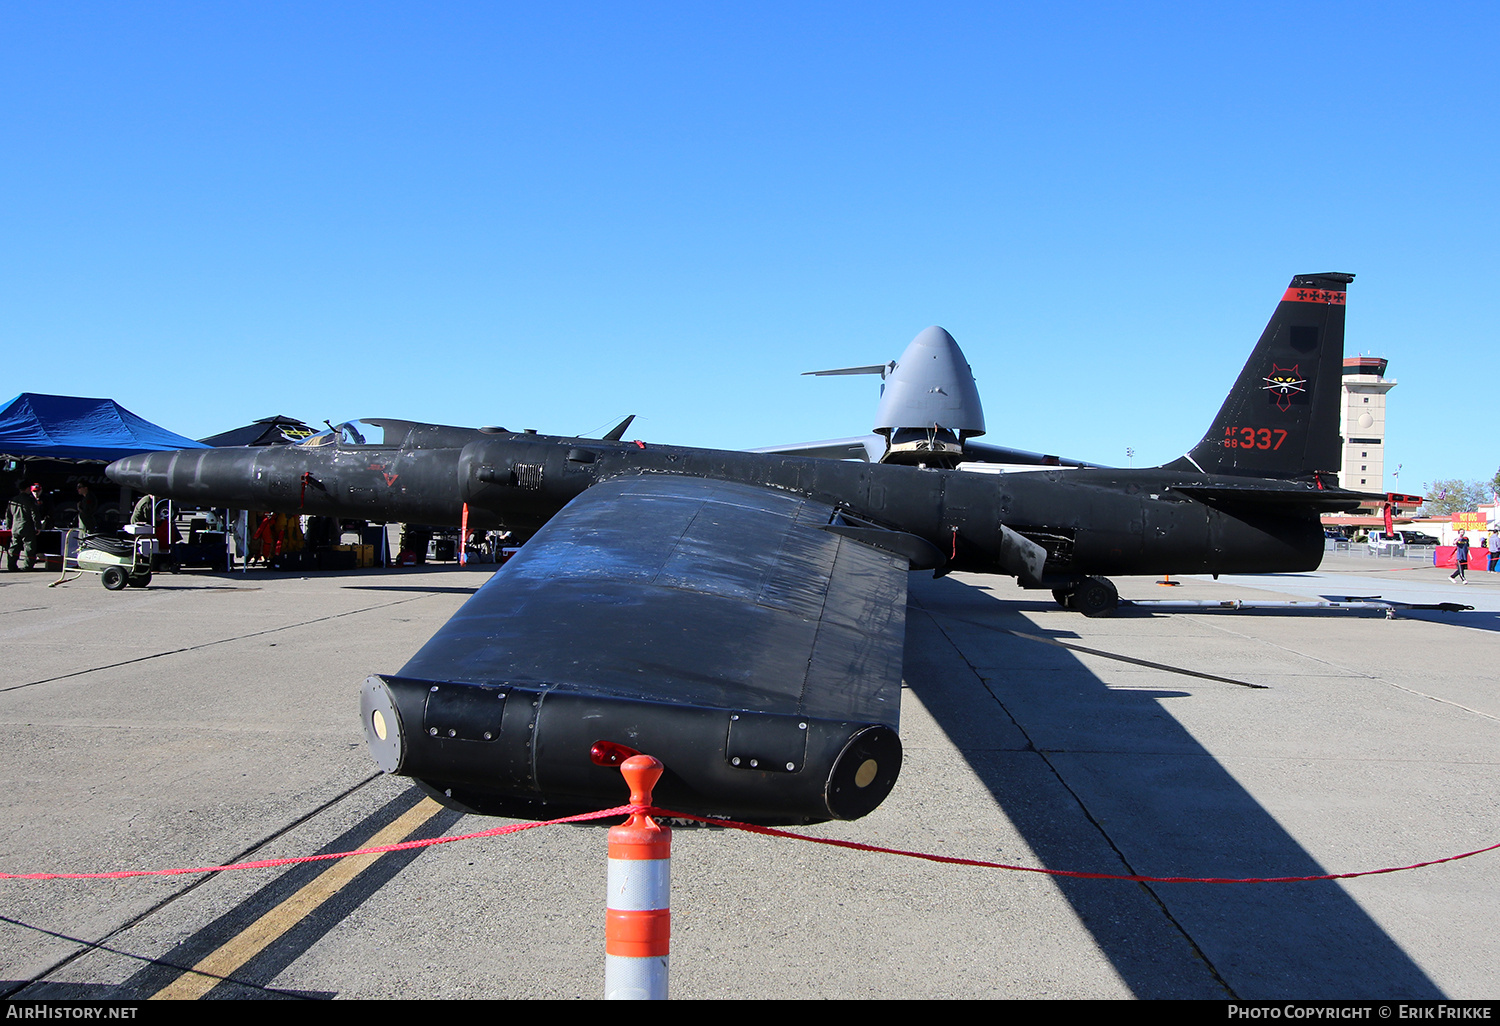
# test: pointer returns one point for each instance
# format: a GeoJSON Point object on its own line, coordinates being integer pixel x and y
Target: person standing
{"type": "Point", "coordinates": [25, 513]}
{"type": "Point", "coordinates": [88, 510]}
{"type": "Point", "coordinates": [1495, 547]}
{"type": "Point", "coordinates": [1461, 557]}
{"type": "Point", "coordinates": [263, 542]}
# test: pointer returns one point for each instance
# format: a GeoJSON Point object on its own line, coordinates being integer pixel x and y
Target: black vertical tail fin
{"type": "Point", "coordinates": [1281, 419]}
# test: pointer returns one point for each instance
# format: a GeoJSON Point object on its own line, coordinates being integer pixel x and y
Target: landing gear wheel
{"type": "Point", "coordinates": [113, 578]}
{"type": "Point", "coordinates": [1095, 596]}
{"type": "Point", "coordinates": [1064, 597]}
{"type": "Point", "coordinates": [140, 580]}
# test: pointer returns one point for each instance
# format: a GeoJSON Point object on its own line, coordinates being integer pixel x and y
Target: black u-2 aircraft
{"type": "Point", "coordinates": [741, 616]}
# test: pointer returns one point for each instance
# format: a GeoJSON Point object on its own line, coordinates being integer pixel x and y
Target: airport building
{"type": "Point", "coordinates": [1365, 386]}
{"type": "Point", "coordinates": [1362, 435]}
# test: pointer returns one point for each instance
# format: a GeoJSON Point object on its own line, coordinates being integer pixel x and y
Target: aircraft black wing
{"type": "Point", "coordinates": [714, 625]}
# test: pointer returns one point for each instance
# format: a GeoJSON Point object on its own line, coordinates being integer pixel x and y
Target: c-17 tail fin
{"type": "Point", "coordinates": [1281, 419]}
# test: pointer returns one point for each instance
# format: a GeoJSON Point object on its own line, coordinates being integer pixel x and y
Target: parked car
{"type": "Point", "coordinates": [1381, 542]}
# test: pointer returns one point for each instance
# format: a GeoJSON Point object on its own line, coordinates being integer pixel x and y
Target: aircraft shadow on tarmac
{"type": "Point", "coordinates": [1478, 619]}
{"type": "Point", "coordinates": [1104, 779]}
{"type": "Point", "coordinates": [411, 589]}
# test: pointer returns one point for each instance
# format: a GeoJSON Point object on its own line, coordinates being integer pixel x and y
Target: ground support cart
{"type": "Point", "coordinates": [119, 561]}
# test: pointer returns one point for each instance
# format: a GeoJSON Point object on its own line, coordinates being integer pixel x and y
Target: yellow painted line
{"type": "Point", "coordinates": [260, 934]}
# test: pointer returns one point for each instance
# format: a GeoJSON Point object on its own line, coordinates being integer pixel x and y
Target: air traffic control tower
{"type": "Point", "coordinates": [1365, 386]}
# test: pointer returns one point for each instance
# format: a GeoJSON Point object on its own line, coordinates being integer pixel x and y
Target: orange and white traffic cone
{"type": "Point", "coordinates": [638, 923]}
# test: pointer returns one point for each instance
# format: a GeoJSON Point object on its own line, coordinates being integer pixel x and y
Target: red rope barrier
{"type": "Point", "coordinates": [623, 810]}
{"type": "Point", "coordinates": [952, 860]}
{"type": "Point", "coordinates": [426, 842]}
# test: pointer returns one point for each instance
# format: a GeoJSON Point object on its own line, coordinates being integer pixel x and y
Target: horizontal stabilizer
{"type": "Point", "coordinates": [1327, 500]}
{"type": "Point", "coordinates": [874, 368]}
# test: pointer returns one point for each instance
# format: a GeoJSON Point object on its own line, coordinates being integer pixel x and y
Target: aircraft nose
{"type": "Point", "coordinates": [223, 477]}
{"type": "Point", "coordinates": [935, 340]}
{"type": "Point", "coordinates": [129, 472]}
{"type": "Point", "coordinates": [931, 385]}
{"type": "Point", "coordinates": [153, 473]}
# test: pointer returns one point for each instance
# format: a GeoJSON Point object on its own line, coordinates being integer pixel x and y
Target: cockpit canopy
{"type": "Point", "coordinates": [354, 434]}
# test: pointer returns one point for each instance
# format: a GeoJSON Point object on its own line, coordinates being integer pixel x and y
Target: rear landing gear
{"type": "Point", "coordinates": [1095, 596]}
{"type": "Point", "coordinates": [1091, 596]}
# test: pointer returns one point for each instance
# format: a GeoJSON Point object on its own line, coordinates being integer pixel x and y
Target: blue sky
{"type": "Point", "coordinates": [553, 215]}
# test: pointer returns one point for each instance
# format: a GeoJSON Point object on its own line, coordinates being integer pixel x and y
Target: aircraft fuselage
{"type": "Point", "coordinates": [1091, 521]}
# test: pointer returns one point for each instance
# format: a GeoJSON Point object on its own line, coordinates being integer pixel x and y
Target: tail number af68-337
{"type": "Point", "coordinates": [1253, 438]}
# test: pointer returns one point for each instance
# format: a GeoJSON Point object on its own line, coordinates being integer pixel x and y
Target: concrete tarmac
{"type": "Point", "coordinates": [212, 718]}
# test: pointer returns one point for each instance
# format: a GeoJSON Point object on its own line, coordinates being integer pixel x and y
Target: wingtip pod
{"type": "Point", "coordinates": [524, 751]}
{"type": "Point", "coordinates": [1281, 418]}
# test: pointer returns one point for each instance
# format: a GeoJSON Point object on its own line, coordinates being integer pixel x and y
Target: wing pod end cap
{"type": "Point", "coordinates": [864, 773]}
{"type": "Point", "coordinates": [382, 723]}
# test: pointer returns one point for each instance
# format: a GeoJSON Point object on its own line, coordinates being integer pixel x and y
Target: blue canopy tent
{"type": "Point", "coordinates": [63, 427]}
{"type": "Point", "coordinates": [57, 440]}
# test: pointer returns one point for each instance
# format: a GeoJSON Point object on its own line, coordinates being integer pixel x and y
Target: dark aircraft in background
{"type": "Point", "coordinates": [741, 616]}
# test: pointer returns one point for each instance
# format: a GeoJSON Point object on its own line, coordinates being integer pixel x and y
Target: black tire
{"type": "Point", "coordinates": [1095, 596]}
{"type": "Point", "coordinates": [140, 580]}
{"type": "Point", "coordinates": [113, 578]}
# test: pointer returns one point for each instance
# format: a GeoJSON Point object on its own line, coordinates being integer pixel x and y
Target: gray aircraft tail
{"type": "Point", "coordinates": [1281, 419]}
